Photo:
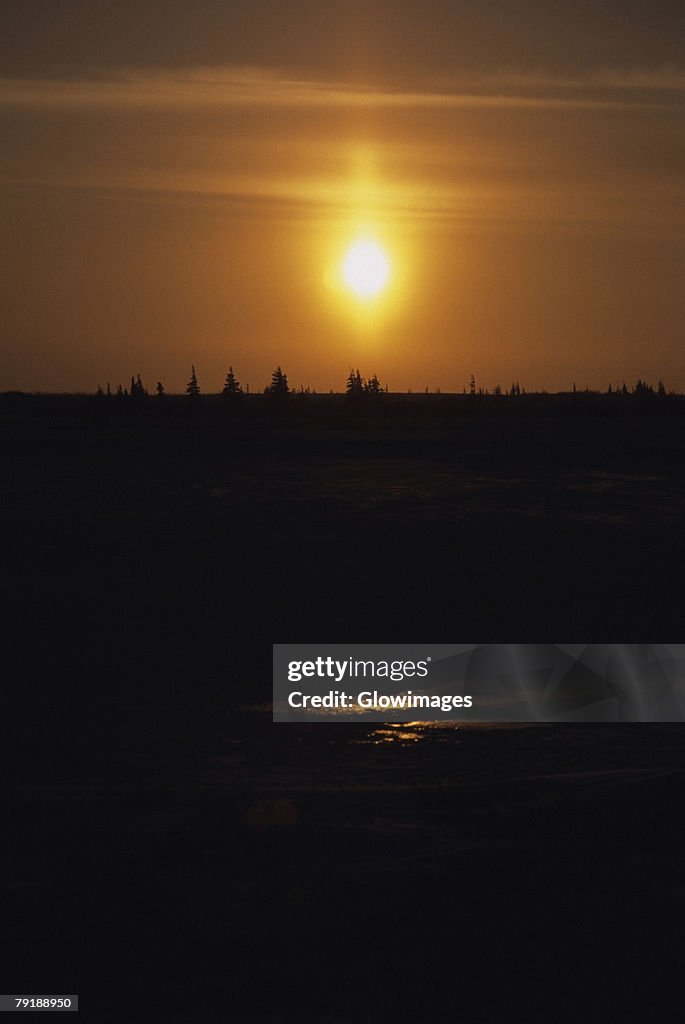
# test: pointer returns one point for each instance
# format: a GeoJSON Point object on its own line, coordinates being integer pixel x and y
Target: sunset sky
{"type": "Point", "coordinates": [180, 184]}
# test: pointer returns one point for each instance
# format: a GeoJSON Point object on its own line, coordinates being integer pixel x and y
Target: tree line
{"type": "Point", "coordinates": [357, 387]}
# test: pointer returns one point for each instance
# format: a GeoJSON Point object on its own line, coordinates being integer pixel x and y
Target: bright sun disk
{"type": "Point", "coordinates": [365, 268]}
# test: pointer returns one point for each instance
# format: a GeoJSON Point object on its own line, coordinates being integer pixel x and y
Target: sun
{"type": "Point", "coordinates": [365, 268]}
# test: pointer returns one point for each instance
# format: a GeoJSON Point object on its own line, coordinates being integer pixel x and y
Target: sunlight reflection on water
{"type": "Point", "coordinates": [384, 734]}
{"type": "Point", "coordinates": [406, 733]}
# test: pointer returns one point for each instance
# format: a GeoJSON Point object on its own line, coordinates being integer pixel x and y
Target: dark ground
{"type": "Point", "coordinates": [164, 841]}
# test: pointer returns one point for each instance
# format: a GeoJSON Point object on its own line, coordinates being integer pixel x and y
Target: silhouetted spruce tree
{"type": "Point", "coordinates": [193, 388]}
{"type": "Point", "coordinates": [373, 387]}
{"type": "Point", "coordinates": [231, 386]}
{"type": "Point", "coordinates": [160, 389]}
{"type": "Point", "coordinates": [660, 389]}
{"type": "Point", "coordinates": [279, 383]}
{"type": "Point", "coordinates": [355, 383]}
{"type": "Point", "coordinates": [643, 390]}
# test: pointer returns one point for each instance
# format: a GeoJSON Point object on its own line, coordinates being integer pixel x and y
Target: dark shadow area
{"type": "Point", "coordinates": [165, 841]}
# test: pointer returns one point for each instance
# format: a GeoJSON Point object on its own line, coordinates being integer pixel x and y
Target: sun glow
{"type": "Point", "coordinates": [365, 268]}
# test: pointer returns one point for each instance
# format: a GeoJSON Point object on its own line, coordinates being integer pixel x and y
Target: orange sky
{"type": "Point", "coordinates": [189, 204]}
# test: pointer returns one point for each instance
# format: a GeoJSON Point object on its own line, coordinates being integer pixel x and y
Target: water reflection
{"type": "Point", "coordinates": [407, 733]}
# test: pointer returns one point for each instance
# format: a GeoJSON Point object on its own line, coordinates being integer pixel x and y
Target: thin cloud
{"type": "Point", "coordinates": [649, 80]}
{"type": "Point", "coordinates": [222, 88]}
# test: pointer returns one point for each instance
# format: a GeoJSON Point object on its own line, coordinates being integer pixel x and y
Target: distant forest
{"type": "Point", "coordinates": [362, 397]}
{"type": "Point", "coordinates": [358, 387]}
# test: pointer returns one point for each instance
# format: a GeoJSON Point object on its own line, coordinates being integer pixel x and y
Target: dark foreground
{"type": "Point", "coordinates": [341, 875]}
{"type": "Point", "coordinates": [166, 844]}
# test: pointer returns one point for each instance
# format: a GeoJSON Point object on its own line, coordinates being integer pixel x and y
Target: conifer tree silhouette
{"type": "Point", "coordinates": [231, 384]}
{"type": "Point", "coordinates": [279, 383]}
{"type": "Point", "coordinates": [193, 388]}
{"type": "Point", "coordinates": [373, 386]}
{"type": "Point", "coordinates": [355, 383]}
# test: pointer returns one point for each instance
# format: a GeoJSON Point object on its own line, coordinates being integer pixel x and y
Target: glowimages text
{"type": "Point", "coordinates": [371, 699]}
